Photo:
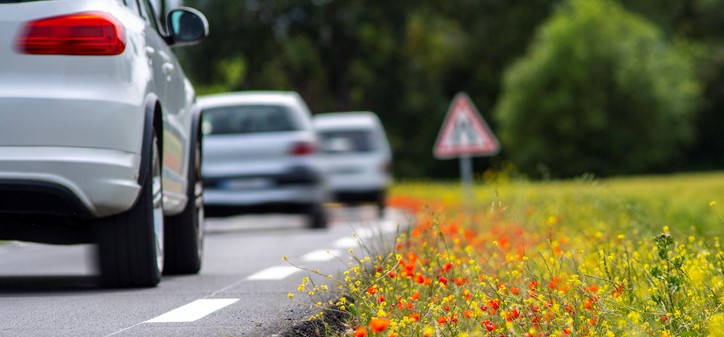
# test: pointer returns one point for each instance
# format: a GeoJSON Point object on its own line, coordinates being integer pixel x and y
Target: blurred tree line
{"type": "Point", "coordinates": [571, 86]}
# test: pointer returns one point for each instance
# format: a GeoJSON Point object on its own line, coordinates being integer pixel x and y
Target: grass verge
{"type": "Point", "coordinates": [618, 257]}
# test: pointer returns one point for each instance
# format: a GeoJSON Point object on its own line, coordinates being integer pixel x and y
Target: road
{"type": "Point", "coordinates": [242, 290]}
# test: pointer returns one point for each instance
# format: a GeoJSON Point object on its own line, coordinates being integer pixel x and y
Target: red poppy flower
{"type": "Point", "coordinates": [379, 324]}
{"type": "Point", "coordinates": [360, 332]}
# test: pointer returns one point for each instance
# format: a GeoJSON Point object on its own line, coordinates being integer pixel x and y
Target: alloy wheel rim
{"type": "Point", "coordinates": [157, 195]}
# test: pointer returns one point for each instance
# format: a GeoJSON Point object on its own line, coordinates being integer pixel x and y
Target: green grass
{"type": "Point", "coordinates": [636, 256]}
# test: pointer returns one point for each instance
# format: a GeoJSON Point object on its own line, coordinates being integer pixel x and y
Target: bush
{"type": "Point", "coordinates": [600, 91]}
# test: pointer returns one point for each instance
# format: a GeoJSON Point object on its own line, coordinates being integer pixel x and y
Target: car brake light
{"type": "Point", "coordinates": [90, 33]}
{"type": "Point", "coordinates": [302, 148]}
{"type": "Point", "coordinates": [386, 167]}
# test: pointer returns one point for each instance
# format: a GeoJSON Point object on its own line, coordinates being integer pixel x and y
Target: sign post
{"type": "Point", "coordinates": [465, 134]}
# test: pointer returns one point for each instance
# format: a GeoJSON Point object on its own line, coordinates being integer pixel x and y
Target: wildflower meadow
{"type": "Point", "coordinates": [616, 257]}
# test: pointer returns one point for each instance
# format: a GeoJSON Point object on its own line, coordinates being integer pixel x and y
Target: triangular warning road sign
{"type": "Point", "coordinates": [464, 132]}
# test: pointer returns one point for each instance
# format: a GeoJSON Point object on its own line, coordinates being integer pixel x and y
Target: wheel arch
{"type": "Point", "coordinates": [196, 134]}
{"type": "Point", "coordinates": [153, 122]}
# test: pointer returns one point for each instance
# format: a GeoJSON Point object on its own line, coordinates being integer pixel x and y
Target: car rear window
{"type": "Point", "coordinates": [247, 119]}
{"type": "Point", "coordinates": [358, 141]}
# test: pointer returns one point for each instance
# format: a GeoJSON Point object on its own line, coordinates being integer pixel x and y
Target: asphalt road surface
{"type": "Point", "coordinates": [241, 291]}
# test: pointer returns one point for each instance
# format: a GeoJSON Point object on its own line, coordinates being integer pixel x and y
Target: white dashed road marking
{"type": "Point", "coordinates": [321, 255]}
{"type": "Point", "coordinates": [193, 311]}
{"type": "Point", "coordinates": [274, 273]}
{"type": "Point", "coordinates": [346, 243]}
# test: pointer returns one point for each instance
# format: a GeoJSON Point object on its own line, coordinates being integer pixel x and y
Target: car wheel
{"type": "Point", "coordinates": [130, 244]}
{"type": "Point", "coordinates": [381, 203]}
{"type": "Point", "coordinates": [184, 232]}
{"type": "Point", "coordinates": [317, 217]}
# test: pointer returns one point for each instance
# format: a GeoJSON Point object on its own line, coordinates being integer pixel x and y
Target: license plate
{"type": "Point", "coordinates": [246, 184]}
{"type": "Point", "coordinates": [346, 170]}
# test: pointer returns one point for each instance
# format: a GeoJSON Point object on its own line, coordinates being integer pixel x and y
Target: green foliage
{"type": "Point", "coordinates": [599, 91]}
{"type": "Point", "coordinates": [405, 60]}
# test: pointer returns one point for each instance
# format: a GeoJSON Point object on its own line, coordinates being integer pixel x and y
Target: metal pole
{"type": "Point", "coordinates": [466, 178]}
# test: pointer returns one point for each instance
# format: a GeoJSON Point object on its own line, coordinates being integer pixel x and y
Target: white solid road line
{"type": "Point", "coordinates": [194, 310]}
{"type": "Point", "coordinates": [274, 273]}
{"type": "Point", "coordinates": [321, 255]}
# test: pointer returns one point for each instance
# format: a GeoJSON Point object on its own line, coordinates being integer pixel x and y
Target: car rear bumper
{"type": "Point", "coordinates": [358, 182]}
{"type": "Point", "coordinates": [292, 194]}
{"type": "Point", "coordinates": [300, 185]}
{"type": "Point", "coordinates": [84, 182]}
{"type": "Point", "coordinates": [359, 195]}
{"type": "Point", "coordinates": [296, 186]}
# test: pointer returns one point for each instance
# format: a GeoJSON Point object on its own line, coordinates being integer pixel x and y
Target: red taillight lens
{"type": "Point", "coordinates": [386, 167]}
{"type": "Point", "coordinates": [302, 148]}
{"type": "Point", "coordinates": [89, 33]}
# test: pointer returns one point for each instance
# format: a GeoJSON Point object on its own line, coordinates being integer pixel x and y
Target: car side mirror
{"type": "Point", "coordinates": [186, 26]}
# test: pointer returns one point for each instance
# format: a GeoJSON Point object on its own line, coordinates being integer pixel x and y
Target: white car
{"type": "Point", "coordinates": [260, 155]}
{"type": "Point", "coordinates": [99, 134]}
{"type": "Point", "coordinates": [356, 155]}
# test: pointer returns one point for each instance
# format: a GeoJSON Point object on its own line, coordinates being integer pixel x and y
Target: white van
{"type": "Point", "coordinates": [356, 156]}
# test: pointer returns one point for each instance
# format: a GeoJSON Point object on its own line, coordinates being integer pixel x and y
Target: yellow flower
{"type": "Point", "coordinates": [634, 316]}
{"type": "Point", "coordinates": [716, 325]}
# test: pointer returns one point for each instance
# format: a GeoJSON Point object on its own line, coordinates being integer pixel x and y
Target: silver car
{"type": "Point", "coordinates": [356, 155]}
{"type": "Point", "coordinates": [260, 155]}
{"type": "Point", "coordinates": [99, 134]}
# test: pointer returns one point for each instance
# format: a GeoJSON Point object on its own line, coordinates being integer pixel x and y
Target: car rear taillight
{"type": "Point", "coordinates": [90, 33]}
{"type": "Point", "coordinates": [386, 167]}
{"type": "Point", "coordinates": [302, 149]}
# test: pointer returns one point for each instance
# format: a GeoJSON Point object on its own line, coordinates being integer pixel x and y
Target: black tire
{"type": "Point", "coordinates": [381, 203]}
{"type": "Point", "coordinates": [317, 217]}
{"type": "Point", "coordinates": [130, 244]}
{"type": "Point", "coordinates": [184, 233]}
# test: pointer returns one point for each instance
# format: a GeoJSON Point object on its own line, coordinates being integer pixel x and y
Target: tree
{"type": "Point", "coordinates": [599, 91]}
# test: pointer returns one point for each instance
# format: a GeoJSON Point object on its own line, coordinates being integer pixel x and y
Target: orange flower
{"type": "Point", "coordinates": [360, 332]}
{"type": "Point", "coordinates": [379, 324]}
{"type": "Point", "coordinates": [415, 317]}
{"type": "Point", "coordinates": [514, 290]}
{"type": "Point", "coordinates": [412, 257]}
{"type": "Point", "coordinates": [468, 313]}
{"type": "Point", "coordinates": [419, 279]}
{"type": "Point", "coordinates": [415, 296]}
